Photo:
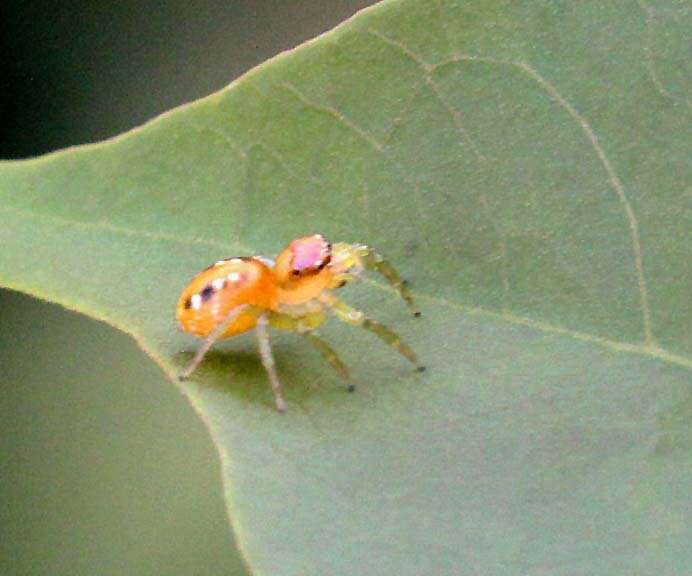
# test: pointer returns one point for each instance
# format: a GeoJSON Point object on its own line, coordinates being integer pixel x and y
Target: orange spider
{"type": "Point", "coordinates": [238, 294]}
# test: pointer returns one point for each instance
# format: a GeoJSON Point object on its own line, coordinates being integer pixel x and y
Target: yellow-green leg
{"type": "Point", "coordinates": [305, 326]}
{"type": "Point", "coordinates": [330, 355]}
{"type": "Point", "coordinates": [357, 318]}
{"type": "Point", "coordinates": [375, 261]}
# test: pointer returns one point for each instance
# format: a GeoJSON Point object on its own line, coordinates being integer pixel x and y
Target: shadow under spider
{"type": "Point", "coordinates": [240, 372]}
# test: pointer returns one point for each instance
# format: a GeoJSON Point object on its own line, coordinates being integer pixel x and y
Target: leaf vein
{"type": "Point", "coordinates": [642, 349]}
{"type": "Point", "coordinates": [613, 179]}
{"type": "Point", "coordinates": [334, 113]}
{"type": "Point", "coordinates": [649, 59]}
{"type": "Point", "coordinates": [427, 70]}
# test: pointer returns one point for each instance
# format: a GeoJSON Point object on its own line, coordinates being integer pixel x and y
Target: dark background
{"type": "Point", "coordinates": [105, 467]}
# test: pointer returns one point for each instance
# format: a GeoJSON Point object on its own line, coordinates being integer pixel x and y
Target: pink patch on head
{"type": "Point", "coordinates": [309, 253]}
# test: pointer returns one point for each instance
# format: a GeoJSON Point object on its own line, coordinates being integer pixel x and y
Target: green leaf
{"type": "Point", "coordinates": [527, 167]}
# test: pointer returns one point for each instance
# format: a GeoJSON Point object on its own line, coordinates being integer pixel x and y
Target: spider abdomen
{"type": "Point", "coordinates": [214, 292]}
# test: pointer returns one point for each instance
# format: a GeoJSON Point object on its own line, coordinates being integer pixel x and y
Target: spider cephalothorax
{"type": "Point", "coordinates": [238, 294]}
{"type": "Point", "coordinates": [306, 256]}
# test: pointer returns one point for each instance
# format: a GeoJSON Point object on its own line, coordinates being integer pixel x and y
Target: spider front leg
{"type": "Point", "coordinates": [305, 326]}
{"type": "Point", "coordinates": [355, 317]}
{"type": "Point", "coordinates": [374, 261]}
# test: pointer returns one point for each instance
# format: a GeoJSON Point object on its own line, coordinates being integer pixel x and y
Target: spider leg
{"type": "Point", "coordinates": [305, 325]}
{"type": "Point", "coordinates": [268, 362]}
{"type": "Point", "coordinates": [350, 315]}
{"type": "Point", "coordinates": [374, 261]}
{"type": "Point", "coordinates": [208, 342]}
{"type": "Point", "coordinates": [330, 355]}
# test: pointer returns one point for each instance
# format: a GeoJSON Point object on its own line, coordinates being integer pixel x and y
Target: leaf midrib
{"type": "Point", "coordinates": [641, 349]}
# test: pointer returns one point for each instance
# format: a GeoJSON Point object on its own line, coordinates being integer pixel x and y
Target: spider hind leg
{"type": "Point", "coordinates": [209, 341]}
{"type": "Point", "coordinates": [268, 362]}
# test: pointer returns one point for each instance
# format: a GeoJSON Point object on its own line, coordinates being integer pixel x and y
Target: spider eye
{"type": "Point", "coordinates": [309, 255]}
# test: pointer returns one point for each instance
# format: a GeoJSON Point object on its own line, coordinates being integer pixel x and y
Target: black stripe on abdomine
{"type": "Point", "coordinates": [206, 293]}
